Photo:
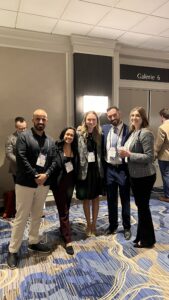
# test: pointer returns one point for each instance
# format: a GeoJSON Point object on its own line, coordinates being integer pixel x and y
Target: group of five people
{"type": "Point", "coordinates": [115, 158]}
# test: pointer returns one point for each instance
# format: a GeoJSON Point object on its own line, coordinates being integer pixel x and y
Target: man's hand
{"type": "Point", "coordinates": [40, 180]}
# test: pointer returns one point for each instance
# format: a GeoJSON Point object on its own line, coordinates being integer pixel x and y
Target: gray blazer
{"type": "Point", "coordinates": [141, 160]}
{"type": "Point", "coordinates": [10, 151]}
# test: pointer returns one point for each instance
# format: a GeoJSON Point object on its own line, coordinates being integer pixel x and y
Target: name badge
{"type": "Point", "coordinates": [69, 166]}
{"type": "Point", "coordinates": [112, 153]}
{"type": "Point", "coordinates": [41, 160]}
{"type": "Point", "coordinates": [91, 157]}
{"type": "Point", "coordinates": [126, 160]}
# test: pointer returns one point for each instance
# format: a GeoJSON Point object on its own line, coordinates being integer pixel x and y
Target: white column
{"type": "Point", "coordinates": [69, 89]}
{"type": "Point", "coordinates": [116, 79]}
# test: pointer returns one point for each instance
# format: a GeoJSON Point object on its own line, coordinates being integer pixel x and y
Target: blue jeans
{"type": "Point", "coordinates": [164, 168]}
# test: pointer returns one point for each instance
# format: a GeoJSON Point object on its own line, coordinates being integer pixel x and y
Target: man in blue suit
{"type": "Point", "coordinates": [116, 172]}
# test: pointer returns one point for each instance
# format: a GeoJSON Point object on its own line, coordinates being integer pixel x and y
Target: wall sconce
{"type": "Point", "coordinates": [99, 104]}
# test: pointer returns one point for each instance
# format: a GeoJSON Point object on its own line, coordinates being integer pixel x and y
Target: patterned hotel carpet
{"type": "Point", "coordinates": [102, 267]}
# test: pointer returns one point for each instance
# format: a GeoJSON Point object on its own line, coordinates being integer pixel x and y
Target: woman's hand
{"type": "Point", "coordinates": [123, 152]}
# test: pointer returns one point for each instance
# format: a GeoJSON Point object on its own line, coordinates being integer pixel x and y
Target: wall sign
{"type": "Point", "coordinates": [130, 72]}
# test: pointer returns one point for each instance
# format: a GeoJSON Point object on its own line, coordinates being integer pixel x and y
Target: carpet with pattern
{"type": "Point", "coordinates": [103, 267]}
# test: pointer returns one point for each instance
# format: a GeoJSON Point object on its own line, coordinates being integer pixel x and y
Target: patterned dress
{"type": "Point", "coordinates": [89, 188]}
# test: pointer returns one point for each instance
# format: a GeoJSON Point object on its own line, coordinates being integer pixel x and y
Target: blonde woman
{"type": "Point", "coordinates": [90, 169]}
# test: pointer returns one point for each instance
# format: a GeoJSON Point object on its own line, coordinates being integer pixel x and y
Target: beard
{"type": "Point", "coordinates": [39, 127]}
{"type": "Point", "coordinates": [115, 122]}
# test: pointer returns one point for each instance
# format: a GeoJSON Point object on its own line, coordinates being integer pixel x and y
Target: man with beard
{"type": "Point", "coordinates": [116, 172]}
{"type": "Point", "coordinates": [35, 158]}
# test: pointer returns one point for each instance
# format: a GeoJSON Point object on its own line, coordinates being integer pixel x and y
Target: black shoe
{"type": "Point", "coordinates": [127, 234]}
{"type": "Point", "coordinates": [136, 241]}
{"type": "Point", "coordinates": [12, 260]}
{"type": "Point", "coordinates": [143, 246]}
{"type": "Point", "coordinates": [39, 247]}
{"type": "Point", "coordinates": [110, 231]}
{"type": "Point", "coordinates": [69, 250]}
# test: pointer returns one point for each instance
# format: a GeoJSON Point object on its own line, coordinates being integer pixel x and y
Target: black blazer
{"type": "Point", "coordinates": [28, 147]}
{"type": "Point", "coordinates": [59, 170]}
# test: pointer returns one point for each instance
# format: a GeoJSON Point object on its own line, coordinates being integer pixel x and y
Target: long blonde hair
{"type": "Point", "coordinates": [96, 130]}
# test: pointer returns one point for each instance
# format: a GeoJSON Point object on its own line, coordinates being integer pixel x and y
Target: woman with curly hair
{"type": "Point", "coordinates": [63, 180]}
{"type": "Point", "coordinates": [90, 172]}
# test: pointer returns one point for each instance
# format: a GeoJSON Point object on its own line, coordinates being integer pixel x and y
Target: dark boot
{"type": "Point", "coordinates": [12, 260]}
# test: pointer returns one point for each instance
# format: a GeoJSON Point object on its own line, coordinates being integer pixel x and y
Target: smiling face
{"type": "Point", "coordinates": [91, 121]}
{"type": "Point", "coordinates": [69, 136]}
{"type": "Point", "coordinates": [113, 116]}
{"type": "Point", "coordinates": [39, 120]}
{"type": "Point", "coordinates": [136, 119]}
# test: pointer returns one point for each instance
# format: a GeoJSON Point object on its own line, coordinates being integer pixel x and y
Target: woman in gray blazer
{"type": "Point", "coordinates": [138, 151]}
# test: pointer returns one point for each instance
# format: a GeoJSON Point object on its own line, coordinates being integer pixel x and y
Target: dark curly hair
{"type": "Point", "coordinates": [74, 144]}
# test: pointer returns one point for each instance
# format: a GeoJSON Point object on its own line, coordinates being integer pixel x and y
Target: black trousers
{"type": "Point", "coordinates": [117, 178]}
{"type": "Point", "coordinates": [63, 195]}
{"type": "Point", "coordinates": [141, 188]}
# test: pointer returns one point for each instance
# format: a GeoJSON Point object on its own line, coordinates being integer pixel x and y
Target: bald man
{"type": "Point", "coordinates": [35, 158]}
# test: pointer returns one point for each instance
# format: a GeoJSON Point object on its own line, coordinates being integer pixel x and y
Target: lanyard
{"type": "Point", "coordinates": [118, 136]}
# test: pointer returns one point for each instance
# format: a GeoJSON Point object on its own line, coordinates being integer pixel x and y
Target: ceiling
{"type": "Point", "coordinates": [136, 23]}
